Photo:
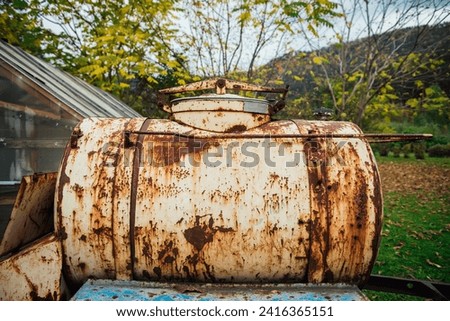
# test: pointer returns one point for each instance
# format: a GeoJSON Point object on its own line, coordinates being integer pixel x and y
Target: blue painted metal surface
{"type": "Point", "coordinates": [113, 290]}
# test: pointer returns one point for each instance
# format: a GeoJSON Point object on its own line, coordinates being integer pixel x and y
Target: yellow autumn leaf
{"type": "Point", "coordinates": [97, 71]}
{"type": "Point", "coordinates": [244, 16]}
{"type": "Point", "coordinates": [318, 60]}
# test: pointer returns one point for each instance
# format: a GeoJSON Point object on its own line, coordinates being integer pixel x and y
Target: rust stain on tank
{"type": "Point", "coordinates": [103, 230]}
{"type": "Point", "coordinates": [146, 249]}
{"type": "Point", "coordinates": [79, 190]}
{"type": "Point", "coordinates": [157, 271]}
{"type": "Point", "coordinates": [168, 253]}
{"type": "Point", "coordinates": [360, 201]}
{"type": "Point", "coordinates": [258, 117]}
{"type": "Point", "coordinates": [82, 266]}
{"type": "Point", "coordinates": [164, 151]}
{"type": "Point", "coordinates": [198, 236]}
{"type": "Point", "coordinates": [274, 127]}
{"type": "Point", "coordinates": [203, 232]}
{"type": "Point", "coordinates": [236, 129]}
{"type": "Point", "coordinates": [318, 270]}
{"type": "Point", "coordinates": [48, 297]}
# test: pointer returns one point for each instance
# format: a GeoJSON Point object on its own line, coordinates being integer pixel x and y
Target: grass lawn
{"type": "Point", "coordinates": [416, 230]}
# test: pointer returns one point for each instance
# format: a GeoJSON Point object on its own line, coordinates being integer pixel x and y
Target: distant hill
{"type": "Point", "coordinates": [296, 69]}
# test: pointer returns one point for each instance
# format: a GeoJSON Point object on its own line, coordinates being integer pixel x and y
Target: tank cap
{"type": "Point", "coordinates": [222, 85]}
{"type": "Point", "coordinates": [221, 111]}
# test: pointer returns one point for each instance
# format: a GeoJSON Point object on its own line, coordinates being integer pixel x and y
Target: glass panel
{"type": "Point", "coordinates": [34, 129]}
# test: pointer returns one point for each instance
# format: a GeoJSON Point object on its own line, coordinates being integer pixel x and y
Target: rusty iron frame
{"type": "Point", "coordinates": [133, 197]}
{"type": "Point", "coordinates": [372, 138]}
{"type": "Point", "coordinates": [422, 288]}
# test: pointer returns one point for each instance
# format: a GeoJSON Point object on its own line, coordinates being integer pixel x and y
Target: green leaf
{"type": "Point", "coordinates": [20, 4]}
{"type": "Point", "coordinates": [429, 91]}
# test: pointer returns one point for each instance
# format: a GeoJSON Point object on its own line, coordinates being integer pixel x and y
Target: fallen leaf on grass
{"type": "Point", "coordinates": [433, 264]}
{"type": "Point", "coordinates": [409, 269]}
{"type": "Point", "coordinates": [434, 232]}
{"type": "Point", "coordinates": [390, 222]}
{"type": "Point", "coordinates": [399, 246]}
{"type": "Point", "coordinates": [418, 235]}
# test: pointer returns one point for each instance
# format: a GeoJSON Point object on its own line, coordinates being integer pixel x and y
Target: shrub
{"type": "Point", "coordinates": [439, 150]}
{"type": "Point", "coordinates": [383, 149]}
{"type": "Point", "coordinates": [419, 150]}
{"type": "Point", "coordinates": [437, 140]}
{"type": "Point", "coordinates": [396, 150]}
{"type": "Point", "coordinates": [406, 149]}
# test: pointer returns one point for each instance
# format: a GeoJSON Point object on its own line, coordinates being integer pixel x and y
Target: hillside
{"type": "Point", "coordinates": [410, 67]}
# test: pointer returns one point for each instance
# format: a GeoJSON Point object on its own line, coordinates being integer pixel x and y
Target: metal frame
{"type": "Point", "coordinates": [422, 288]}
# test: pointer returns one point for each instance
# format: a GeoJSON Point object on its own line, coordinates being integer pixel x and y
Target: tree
{"type": "Point", "coordinates": [224, 38]}
{"type": "Point", "coordinates": [20, 25]}
{"type": "Point", "coordinates": [121, 47]}
{"type": "Point", "coordinates": [357, 78]}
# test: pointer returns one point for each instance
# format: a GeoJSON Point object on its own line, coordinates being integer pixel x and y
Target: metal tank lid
{"type": "Point", "coordinates": [221, 111]}
{"type": "Point", "coordinates": [220, 102]}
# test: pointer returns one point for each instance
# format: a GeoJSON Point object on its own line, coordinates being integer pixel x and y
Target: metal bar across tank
{"type": "Point", "coordinates": [371, 137]}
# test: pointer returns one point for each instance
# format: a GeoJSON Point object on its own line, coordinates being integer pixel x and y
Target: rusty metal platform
{"type": "Point", "coordinates": [113, 290]}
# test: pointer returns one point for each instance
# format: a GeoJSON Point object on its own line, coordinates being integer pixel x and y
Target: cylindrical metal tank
{"type": "Point", "coordinates": [246, 200]}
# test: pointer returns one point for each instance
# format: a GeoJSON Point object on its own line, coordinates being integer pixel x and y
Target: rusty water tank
{"type": "Point", "coordinates": [218, 193]}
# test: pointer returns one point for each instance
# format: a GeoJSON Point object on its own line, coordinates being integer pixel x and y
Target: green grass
{"type": "Point", "coordinates": [415, 237]}
{"type": "Point", "coordinates": [416, 233]}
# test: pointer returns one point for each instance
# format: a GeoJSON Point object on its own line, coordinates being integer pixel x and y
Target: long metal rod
{"type": "Point", "coordinates": [381, 138]}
